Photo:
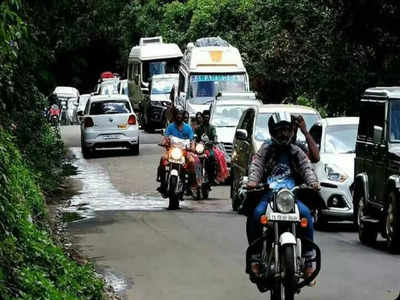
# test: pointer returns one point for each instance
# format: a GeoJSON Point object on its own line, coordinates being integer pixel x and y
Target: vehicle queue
{"type": "Point", "coordinates": [357, 167]}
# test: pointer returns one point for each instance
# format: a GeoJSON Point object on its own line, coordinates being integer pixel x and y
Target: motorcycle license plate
{"type": "Point", "coordinates": [111, 137]}
{"type": "Point", "coordinates": [283, 217]}
{"type": "Point", "coordinates": [174, 172]}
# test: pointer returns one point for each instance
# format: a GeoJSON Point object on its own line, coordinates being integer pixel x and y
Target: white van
{"type": "Point", "coordinates": [151, 57]}
{"type": "Point", "coordinates": [209, 66]}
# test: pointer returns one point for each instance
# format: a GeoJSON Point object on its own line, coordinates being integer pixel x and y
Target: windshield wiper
{"type": "Point", "coordinates": [350, 151]}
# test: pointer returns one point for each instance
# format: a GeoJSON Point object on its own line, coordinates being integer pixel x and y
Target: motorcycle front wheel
{"type": "Point", "coordinates": [173, 197]}
{"type": "Point", "coordinates": [286, 287]}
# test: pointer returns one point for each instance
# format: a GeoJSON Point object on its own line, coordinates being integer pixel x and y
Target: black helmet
{"type": "Point", "coordinates": [178, 110]}
{"type": "Point", "coordinates": [279, 121]}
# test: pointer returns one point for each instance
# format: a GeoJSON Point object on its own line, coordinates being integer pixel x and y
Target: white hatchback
{"type": "Point", "coordinates": [108, 122]}
{"type": "Point", "coordinates": [336, 138]}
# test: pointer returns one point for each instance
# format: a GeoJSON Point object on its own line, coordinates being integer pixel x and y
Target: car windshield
{"type": "Point", "coordinates": [261, 132]}
{"type": "Point", "coordinates": [395, 122]}
{"type": "Point", "coordinates": [206, 86]}
{"type": "Point", "coordinates": [167, 66]}
{"type": "Point", "coordinates": [227, 115]}
{"type": "Point", "coordinates": [109, 107]}
{"type": "Point", "coordinates": [341, 138]}
{"type": "Point", "coordinates": [163, 86]}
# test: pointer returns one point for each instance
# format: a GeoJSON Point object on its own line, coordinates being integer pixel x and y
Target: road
{"type": "Point", "coordinates": [148, 252]}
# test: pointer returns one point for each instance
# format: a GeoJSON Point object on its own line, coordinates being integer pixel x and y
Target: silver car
{"type": "Point", "coordinates": [108, 122]}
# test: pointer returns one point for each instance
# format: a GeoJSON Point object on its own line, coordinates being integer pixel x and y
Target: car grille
{"type": "Point", "coordinates": [228, 149]}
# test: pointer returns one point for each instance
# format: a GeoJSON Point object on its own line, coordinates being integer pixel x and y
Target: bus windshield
{"type": "Point", "coordinates": [206, 86]}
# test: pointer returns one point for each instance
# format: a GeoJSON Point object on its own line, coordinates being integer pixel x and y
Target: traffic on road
{"type": "Point", "coordinates": [263, 176]}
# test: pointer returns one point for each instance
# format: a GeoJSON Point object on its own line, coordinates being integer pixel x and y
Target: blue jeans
{"type": "Point", "coordinates": [254, 227]}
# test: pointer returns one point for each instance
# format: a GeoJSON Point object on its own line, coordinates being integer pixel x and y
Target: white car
{"type": "Point", "coordinates": [336, 138]}
{"type": "Point", "coordinates": [225, 116]}
{"type": "Point", "coordinates": [109, 121]}
{"type": "Point", "coordinates": [67, 96]}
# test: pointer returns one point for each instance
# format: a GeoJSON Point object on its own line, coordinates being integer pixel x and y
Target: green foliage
{"type": "Point", "coordinates": [31, 265]}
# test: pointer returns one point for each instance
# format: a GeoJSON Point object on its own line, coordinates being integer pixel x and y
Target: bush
{"type": "Point", "coordinates": [31, 265]}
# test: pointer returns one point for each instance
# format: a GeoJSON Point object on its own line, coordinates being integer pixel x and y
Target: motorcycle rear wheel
{"type": "Point", "coordinates": [173, 197]}
{"type": "Point", "coordinates": [204, 191]}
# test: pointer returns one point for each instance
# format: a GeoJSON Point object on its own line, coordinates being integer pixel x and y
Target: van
{"type": "Point", "coordinates": [209, 66]}
{"type": "Point", "coordinates": [150, 57]}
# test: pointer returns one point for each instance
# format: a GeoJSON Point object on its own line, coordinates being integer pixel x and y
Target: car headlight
{"type": "Point", "coordinates": [176, 153]}
{"type": "Point", "coordinates": [199, 148]}
{"type": "Point", "coordinates": [334, 174]}
{"type": "Point", "coordinates": [285, 201]}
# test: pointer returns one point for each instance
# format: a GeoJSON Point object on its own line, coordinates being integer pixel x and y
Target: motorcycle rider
{"type": "Point", "coordinates": [209, 130]}
{"type": "Point", "coordinates": [280, 159]}
{"type": "Point", "coordinates": [183, 131]}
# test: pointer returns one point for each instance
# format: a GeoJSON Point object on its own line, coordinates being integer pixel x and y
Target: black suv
{"type": "Point", "coordinates": [377, 167]}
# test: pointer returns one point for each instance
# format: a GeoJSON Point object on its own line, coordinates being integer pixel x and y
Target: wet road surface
{"type": "Point", "coordinates": [148, 252]}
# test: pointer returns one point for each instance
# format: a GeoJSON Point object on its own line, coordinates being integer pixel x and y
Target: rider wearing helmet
{"type": "Point", "coordinates": [276, 163]}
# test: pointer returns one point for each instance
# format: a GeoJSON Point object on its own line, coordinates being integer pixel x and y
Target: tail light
{"type": "Point", "coordinates": [132, 120]}
{"type": "Point", "coordinates": [88, 122]}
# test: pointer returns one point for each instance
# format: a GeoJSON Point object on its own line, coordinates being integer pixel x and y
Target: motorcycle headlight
{"type": "Point", "coordinates": [285, 201]}
{"type": "Point", "coordinates": [200, 148]}
{"type": "Point", "coordinates": [334, 174]}
{"type": "Point", "coordinates": [176, 154]}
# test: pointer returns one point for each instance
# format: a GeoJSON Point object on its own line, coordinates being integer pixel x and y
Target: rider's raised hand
{"type": "Point", "coordinates": [316, 186]}
{"type": "Point", "coordinates": [251, 184]}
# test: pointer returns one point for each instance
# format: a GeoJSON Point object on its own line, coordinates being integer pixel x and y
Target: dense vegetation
{"type": "Point", "coordinates": [32, 163]}
{"type": "Point", "coordinates": [325, 52]}
{"type": "Point", "coordinates": [322, 53]}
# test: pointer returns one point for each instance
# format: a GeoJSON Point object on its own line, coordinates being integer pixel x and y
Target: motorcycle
{"type": "Point", "coordinates": [174, 171]}
{"type": "Point", "coordinates": [63, 114]}
{"type": "Point", "coordinates": [282, 261]}
{"type": "Point", "coordinates": [54, 116]}
{"type": "Point", "coordinates": [202, 151]}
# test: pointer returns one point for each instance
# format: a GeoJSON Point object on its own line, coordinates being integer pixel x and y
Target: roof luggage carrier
{"type": "Point", "coordinates": [211, 42]}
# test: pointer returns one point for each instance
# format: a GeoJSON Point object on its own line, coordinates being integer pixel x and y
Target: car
{"type": "Point", "coordinates": [64, 95]}
{"type": "Point", "coordinates": [83, 98]}
{"type": "Point", "coordinates": [123, 87]}
{"type": "Point", "coordinates": [108, 86]}
{"type": "Point", "coordinates": [157, 101]}
{"type": "Point", "coordinates": [251, 132]}
{"type": "Point", "coordinates": [225, 112]}
{"type": "Point", "coordinates": [376, 197]}
{"type": "Point", "coordinates": [72, 107]}
{"type": "Point", "coordinates": [336, 138]}
{"type": "Point", "coordinates": [109, 121]}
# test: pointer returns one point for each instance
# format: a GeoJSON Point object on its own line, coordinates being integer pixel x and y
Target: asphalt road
{"type": "Point", "coordinates": [148, 252]}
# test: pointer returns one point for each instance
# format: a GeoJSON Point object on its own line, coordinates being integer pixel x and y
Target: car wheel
{"type": "Point", "coordinates": [392, 223]}
{"type": "Point", "coordinates": [86, 152]}
{"type": "Point", "coordinates": [319, 219]}
{"type": "Point", "coordinates": [366, 234]}
{"type": "Point", "coordinates": [234, 194]}
{"type": "Point", "coordinates": [135, 149]}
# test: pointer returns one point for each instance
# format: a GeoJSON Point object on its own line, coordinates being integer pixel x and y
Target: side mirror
{"type": "Point", "coordinates": [378, 134]}
{"type": "Point", "coordinates": [79, 113]}
{"type": "Point", "coordinates": [241, 134]}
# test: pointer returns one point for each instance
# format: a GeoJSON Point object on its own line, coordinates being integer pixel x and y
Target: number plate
{"type": "Point", "coordinates": [111, 137]}
{"type": "Point", "coordinates": [283, 217]}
